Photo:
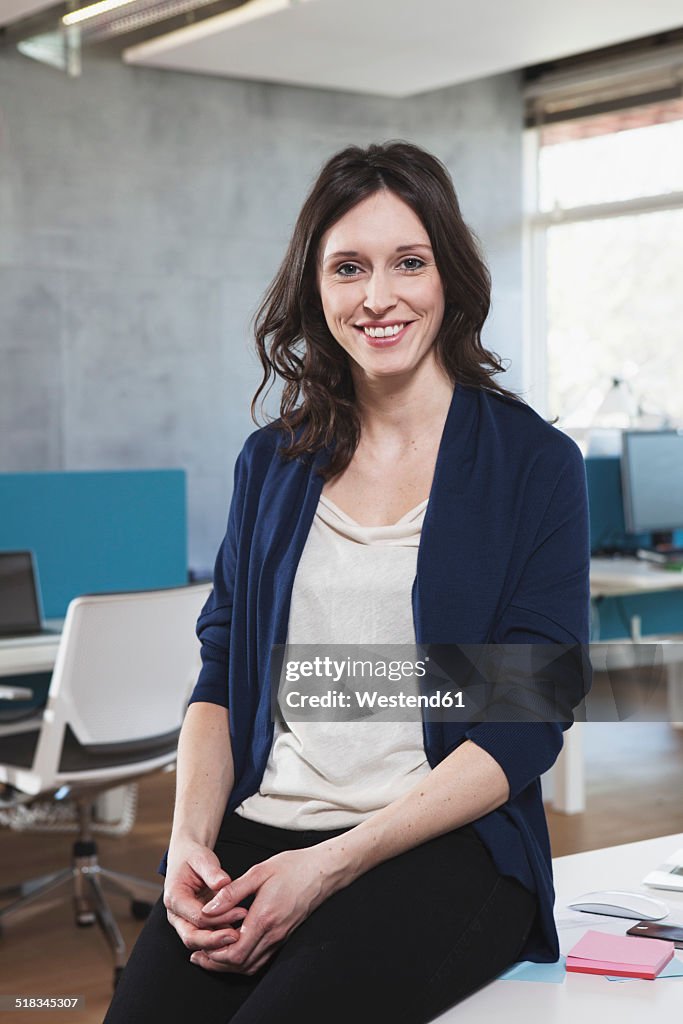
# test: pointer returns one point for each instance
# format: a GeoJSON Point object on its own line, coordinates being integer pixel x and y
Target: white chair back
{"type": "Point", "coordinates": [124, 673]}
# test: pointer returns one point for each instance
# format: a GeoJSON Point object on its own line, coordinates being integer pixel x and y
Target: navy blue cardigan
{"type": "Point", "coordinates": [503, 558]}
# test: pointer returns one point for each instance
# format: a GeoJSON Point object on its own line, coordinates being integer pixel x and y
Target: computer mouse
{"type": "Point", "coordinates": [615, 903]}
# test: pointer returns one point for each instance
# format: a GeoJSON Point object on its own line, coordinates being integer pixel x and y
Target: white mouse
{"type": "Point", "coordinates": [621, 904]}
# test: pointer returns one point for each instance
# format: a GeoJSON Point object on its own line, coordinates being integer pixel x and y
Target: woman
{"type": "Point", "coordinates": [403, 496]}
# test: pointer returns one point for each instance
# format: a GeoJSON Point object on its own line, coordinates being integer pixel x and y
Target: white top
{"type": "Point", "coordinates": [353, 586]}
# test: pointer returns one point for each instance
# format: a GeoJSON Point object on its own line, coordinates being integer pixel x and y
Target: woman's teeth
{"type": "Point", "coordinates": [383, 332]}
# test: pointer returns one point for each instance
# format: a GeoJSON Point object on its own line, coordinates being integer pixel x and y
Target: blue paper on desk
{"type": "Point", "coordinates": [526, 970]}
{"type": "Point", "coordinates": [674, 969]}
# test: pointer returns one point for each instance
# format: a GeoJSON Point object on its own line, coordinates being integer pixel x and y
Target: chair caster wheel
{"type": "Point", "coordinates": [140, 909]}
{"type": "Point", "coordinates": [118, 971]}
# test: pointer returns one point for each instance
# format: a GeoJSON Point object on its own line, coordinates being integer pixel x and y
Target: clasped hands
{"type": "Point", "coordinates": [202, 904]}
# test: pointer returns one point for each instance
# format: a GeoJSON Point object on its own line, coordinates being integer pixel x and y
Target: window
{"type": "Point", "coordinates": [605, 224]}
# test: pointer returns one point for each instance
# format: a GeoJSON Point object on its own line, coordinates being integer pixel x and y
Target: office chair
{"type": "Point", "coordinates": [124, 672]}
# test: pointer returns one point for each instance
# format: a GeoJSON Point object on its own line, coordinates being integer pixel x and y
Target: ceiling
{"type": "Point", "coordinates": [13, 10]}
{"type": "Point", "coordinates": [401, 47]}
{"type": "Point", "coordinates": [387, 47]}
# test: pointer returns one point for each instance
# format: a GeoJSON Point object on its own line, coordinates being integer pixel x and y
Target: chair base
{"type": "Point", "coordinates": [89, 880]}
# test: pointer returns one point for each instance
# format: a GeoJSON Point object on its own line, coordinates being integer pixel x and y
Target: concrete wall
{"type": "Point", "coordinates": [143, 213]}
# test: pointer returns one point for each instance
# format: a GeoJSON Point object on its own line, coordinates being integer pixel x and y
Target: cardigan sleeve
{"type": "Point", "coordinates": [213, 625]}
{"type": "Point", "coordinates": [550, 605]}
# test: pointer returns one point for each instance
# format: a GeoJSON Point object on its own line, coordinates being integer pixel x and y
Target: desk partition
{"type": "Point", "coordinates": [660, 613]}
{"type": "Point", "coordinates": [99, 531]}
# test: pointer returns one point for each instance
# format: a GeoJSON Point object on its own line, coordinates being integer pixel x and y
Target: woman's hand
{"type": "Point", "coordinates": [194, 875]}
{"type": "Point", "coordinates": [286, 888]}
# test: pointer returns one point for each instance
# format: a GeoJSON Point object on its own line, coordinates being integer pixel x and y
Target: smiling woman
{"type": "Point", "coordinates": [369, 870]}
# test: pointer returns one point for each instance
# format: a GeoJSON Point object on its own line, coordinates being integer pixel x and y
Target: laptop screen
{"type": "Point", "coordinates": [19, 603]}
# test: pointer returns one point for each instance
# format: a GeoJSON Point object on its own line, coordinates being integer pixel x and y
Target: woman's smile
{"type": "Point", "coordinates": [383, 336]}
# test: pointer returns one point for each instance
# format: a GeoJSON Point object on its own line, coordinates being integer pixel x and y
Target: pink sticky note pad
{"type": "Point", "coordinates": [601, 952]}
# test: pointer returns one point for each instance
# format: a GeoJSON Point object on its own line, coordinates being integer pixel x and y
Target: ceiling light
{"type": "Point", "coordinates": [240, 14]}
{"type": "Point", "coordinates": [103, 7]}
{"type": "Point", "coordinates": [117, 17]}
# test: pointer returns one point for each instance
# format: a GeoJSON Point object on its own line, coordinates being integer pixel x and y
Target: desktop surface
{"type": "Point", "coordinates": [584, 996]}
{"type": "Point", "coordinates": [628, 575]}
{"type": "Point", "coordinates": [22, 655]}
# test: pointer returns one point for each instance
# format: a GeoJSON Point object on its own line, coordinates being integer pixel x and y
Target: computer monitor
{"type": "Point", "coordinates": [20, 610]}
{"type": "Point", "coordinates": [652, 483]}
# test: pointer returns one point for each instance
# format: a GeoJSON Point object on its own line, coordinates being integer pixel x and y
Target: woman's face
{"type": "Point", "coordinates": [381, 292]}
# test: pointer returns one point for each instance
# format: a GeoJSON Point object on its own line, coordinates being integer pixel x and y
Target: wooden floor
{"type": "Point", "coordinates": [634, 782]}
{"type": "Point", "coordinates": [42, 952]}
{"type": "Point", "coordinates": [635, 791]}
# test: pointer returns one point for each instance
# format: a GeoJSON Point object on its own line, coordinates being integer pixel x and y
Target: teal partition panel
{"type": "Point", "coordinates": [660, 612]}
{"type": "Point", "coordinates": [93, 532]}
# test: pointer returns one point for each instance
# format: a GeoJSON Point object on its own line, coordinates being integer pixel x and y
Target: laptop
{"type": "Point", "coordinates": [21, 612]}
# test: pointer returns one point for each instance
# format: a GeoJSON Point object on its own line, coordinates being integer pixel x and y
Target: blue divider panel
{"type": "Point", "coordinates": [603, 477]}
{"type": "Point", "coordinates": [93, 532]}
{"type": "Point", "coordinates": [660, 612]}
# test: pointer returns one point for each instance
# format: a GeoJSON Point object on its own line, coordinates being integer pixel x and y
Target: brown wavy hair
{"type": "Point", "coordinates": [293, 340]}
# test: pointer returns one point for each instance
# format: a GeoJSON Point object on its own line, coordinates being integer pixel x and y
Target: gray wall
{"type": "Point", "coordinates": [143, 213]}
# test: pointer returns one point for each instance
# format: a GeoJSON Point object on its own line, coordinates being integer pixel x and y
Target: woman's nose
{"type": "Point", "coordinates": [379, 295]}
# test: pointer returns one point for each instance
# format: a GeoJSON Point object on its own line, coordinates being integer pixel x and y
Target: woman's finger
{"type": "Point", "coordinates": [234, 892]}
{"type": "Point", "coordinates": [258, 939]}
{"type": "Point", "coordinates": [204, 938]}
{"type": "Point", "coordinates": [201, 959]}
{"type": "Point", "coordinates": [206, 865]}
{"type": "Point", "coordinates": [210, 963]}
{"type": "Point", "coordinates": [189, 904]}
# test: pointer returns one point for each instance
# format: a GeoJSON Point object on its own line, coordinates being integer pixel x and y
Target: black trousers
{"type": "Point", "coordinates": [403, 942]}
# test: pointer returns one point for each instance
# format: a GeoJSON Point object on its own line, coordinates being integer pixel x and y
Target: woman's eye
{"type": "Point", "coordinates": [416, 263]}
{"type": "Point", "coordinates": [345, 268]}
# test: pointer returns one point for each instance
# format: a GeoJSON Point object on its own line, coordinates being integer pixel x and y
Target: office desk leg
{"type": "Point", "coordinates": [674, 686]}
{"type": "Point", "coordinates": [569, 792]}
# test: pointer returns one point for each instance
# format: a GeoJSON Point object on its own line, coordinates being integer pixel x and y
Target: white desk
{"type": "Point", "coordinates": [614, 577]}
{"type": "Point", "coordinates": [23, 655]}
{"type": "Point", "coordinates": [583, 997]}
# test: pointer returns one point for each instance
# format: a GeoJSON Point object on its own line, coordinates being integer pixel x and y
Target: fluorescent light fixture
{"type": "Point", "coordinates": [241, 15]}
{"type": "Point", "coordinates": [103, 7]}
{"type": "Point", "coordinates": [117, 17]}
{"type": "Point", "coordinates": [245, 12]}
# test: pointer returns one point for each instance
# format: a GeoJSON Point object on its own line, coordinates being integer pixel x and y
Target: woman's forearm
{"type": "Point", "coordinates": [204, 774]}
{"type": "Point", "coordinates": [466, 785]}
